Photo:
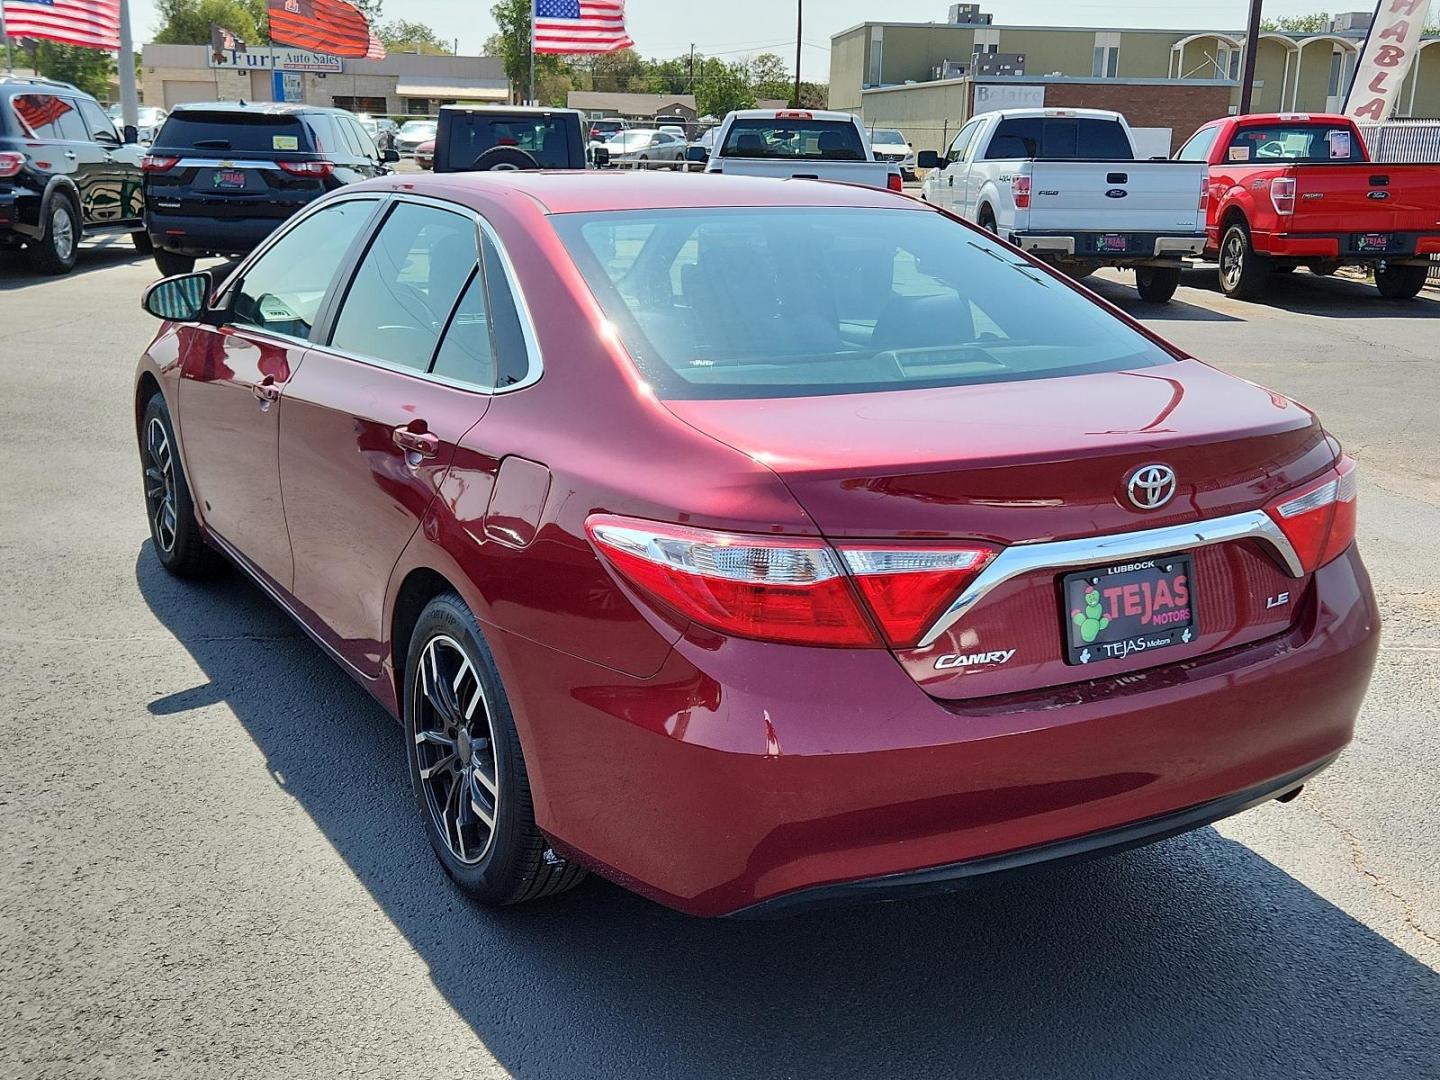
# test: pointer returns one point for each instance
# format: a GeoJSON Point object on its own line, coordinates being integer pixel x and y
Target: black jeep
{"type": "Point", "coordinates": [479, 138]}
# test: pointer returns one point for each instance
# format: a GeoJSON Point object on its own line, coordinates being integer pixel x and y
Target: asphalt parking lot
{"type": "Point", "coordinates": [213, 867]}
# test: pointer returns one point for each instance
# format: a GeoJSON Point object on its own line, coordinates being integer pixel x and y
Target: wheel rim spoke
{"type": "Point", "coordinates": [160, 485]}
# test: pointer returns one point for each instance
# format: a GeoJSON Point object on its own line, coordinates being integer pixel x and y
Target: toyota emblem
{"type": "Point", "coordinates": [1151, 486]}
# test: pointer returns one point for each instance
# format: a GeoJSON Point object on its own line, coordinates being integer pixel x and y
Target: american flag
{"type": "Point", "coordinates": [94, 24]}
{"type": "Point", "coordinates": [376, 48]}
{"type": "Point", "coordinates": [580, 26]}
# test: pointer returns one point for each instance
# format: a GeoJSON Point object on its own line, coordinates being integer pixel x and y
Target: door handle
{"type": "Point", "coordinates": [70, 154]}
{"type": "Point", "coordinates": [414, 438]}
{"type": "Point", "coordinates": [266, 390]}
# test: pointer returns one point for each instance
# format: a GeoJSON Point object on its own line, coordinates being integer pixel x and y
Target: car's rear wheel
{"type": "Point", "coordinates": [1157, 284]}
{"type": "Point", "coordinates": [986, 220]}
{"type": "Point", "coordinates": [1401, 282]}
{"type": "Point", "coordinates": [58, 246]}
{"type": "Point", "coordinates": [179, 544]}
{"type": "Point", "coordinates": [466, 765]}
{"type": "Point", "coordinates": [1244, 272]}
{"type": "Point", "coordinates": [170, 263]}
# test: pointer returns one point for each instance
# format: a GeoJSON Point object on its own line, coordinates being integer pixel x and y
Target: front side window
{"type": "Point", "coordinates": [786, 302]}
{"type": "Point", "coordinates": [283, 289]}
{"type": "Point", "coordinates": [831, 140]}
{"type": "Point", "coordinates": [98, 126]}
{"type": "Point", "coordinates": [962, 142]}
{"type": "Point", "coordinates": [406, 286]}
{"type": "Point", "coordinates": [1295, 142]}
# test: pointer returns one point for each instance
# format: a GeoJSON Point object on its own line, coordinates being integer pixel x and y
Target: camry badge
{"type": "Point", "coordinates": [1151, 486]}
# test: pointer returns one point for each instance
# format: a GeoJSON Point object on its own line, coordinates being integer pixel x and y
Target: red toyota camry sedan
{"type": "Point", "coordinates": [756, 543]}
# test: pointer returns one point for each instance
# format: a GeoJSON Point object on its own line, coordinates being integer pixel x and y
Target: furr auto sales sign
{"type": "Point", "coordinates": [1385, 60]}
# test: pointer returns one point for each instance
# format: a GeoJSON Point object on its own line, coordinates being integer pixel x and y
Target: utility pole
{"type": "Point", "coordinates": [1252, 46]}
{"type": "Point", "coordinates": [125, 68]}
{"type": "Point", "coordinates": [691, 86]}
{"type": "Point", "coordinates": [799, 24]}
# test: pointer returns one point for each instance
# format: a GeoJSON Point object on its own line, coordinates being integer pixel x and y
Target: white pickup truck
{"type": "Point", "coordinates": [1065, 185]}
{"type": "Point", "coordinates": [801, 143]}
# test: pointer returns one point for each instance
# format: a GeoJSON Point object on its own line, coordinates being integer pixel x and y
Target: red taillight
{"type": "Point", "coordinates": [1020, 188]}
{"type": "Point", "coordinates": [10, 162]}
{"type": "Point", "coordinates": [1320, 521]}
{"type": "Point", "coordinates": [158, 162]}
{"type": "Point", "coordinates": [791, 589]}
{"type": "Point", "coordinates": [894, 183]}
{"type": "Point", "coordinates": [307, 168]}
{"type": "Point", "coordinates": [793, 114]}
{"type": "Point", "coordinates": [1282, 194]}
{"type": "Point", "coordinates": [907, 588]}
{"type": "Point", "coordinates": [1204, 195]}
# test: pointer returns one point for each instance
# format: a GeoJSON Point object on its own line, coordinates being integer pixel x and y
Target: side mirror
{"type": "Point", "coordinates": [600, 156]}
{"type": "Point", "coordinates": [696, 154]}
{"type": "Point", "coordinates": [181, 298]}
{"type": "Point", "coordinates": [927, 159]}
{"type": "Point", "coordinates": [389, 157]}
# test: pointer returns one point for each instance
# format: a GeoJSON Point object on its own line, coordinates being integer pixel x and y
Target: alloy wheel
{"type": "Point", "coordinates": [1232, 259]}
{"type": "Point", "coordinates": [62, 233]}
{"type": "Point", "coordinates": [455, 749]}
{"type": "Point", "coordinates": [160, 484]}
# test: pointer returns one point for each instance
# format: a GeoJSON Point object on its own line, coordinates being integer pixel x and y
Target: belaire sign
{"type": "Point", "coordinates": [258, 58]}
{"type": "Point", "coordinates": [1385, 60]}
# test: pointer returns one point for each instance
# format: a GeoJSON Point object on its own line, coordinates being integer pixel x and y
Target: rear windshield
{"type": "Point", "coordinates": [790, 302]}
{"type": "Point", "coordinates": [544, 138]}
{"type": "Point", "coordinates": [1059, 138]}
{"type": "Point", "coordinates": [1295, 142]}
{"type": "Point", "coordinates": [834, 140]}
{"type": "Point", "coordinates": [234, 131]}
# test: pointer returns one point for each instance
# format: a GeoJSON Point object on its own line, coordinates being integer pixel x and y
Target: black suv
{"type": "Point", "coordinates": [64, 173]}
{"type": "Point", "coordinates": [221, 177]}
{"type": "Point", "coordinates": [478, 138]}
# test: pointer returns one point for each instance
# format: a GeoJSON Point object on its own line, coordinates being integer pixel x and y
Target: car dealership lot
{"type": "Point", "coordinates": [215, 869]}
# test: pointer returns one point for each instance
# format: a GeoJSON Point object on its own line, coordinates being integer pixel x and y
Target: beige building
{"type": "Point", "coordinates": [1293, 72]}
{"type": "Point", "coordinates": [401, 84]}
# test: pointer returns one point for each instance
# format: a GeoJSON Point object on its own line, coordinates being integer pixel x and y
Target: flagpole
{"type": "Point", "coordinates": [9, 53]}
{"type": "Point", "coordinates": [125, 62]}
{"type": "Point", "coordinates": [532, 53]}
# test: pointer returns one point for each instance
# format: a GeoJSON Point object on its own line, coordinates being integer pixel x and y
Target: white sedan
{"type": "Point", "coordinates": [645, 148]}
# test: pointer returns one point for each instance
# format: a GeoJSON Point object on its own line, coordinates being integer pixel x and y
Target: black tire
{"type": "Point", "coordinates": [484, 767]}
{"type": "Point", "coordinates": [1075, 271]}
{"type": "Point", "coordinates": [1282, 268]}
{"type": "Point", "coordinates": [179, 544]}
{"type": "Point", "coordinates": [986, 220]}
{"type": "Point", "coordinates": [504, 159]}
{"type": "Point", "coordinates": [1401, 282]}
{"type": "Point", "coordinates": [170, 263]}
{"type": "Point", "coordinates": [143, 244]}
{"type": "Point", "coordinates": [57, 248]}
{"type": "Point", "coordinates": [1323, 267]}
{"type": "Point", "coordinates": [1157, 284]}
{"type": "Point", "coordinates": [1244, 273]}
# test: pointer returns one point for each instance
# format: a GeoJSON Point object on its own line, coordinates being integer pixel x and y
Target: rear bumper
{"type": "Point", "coordinates": [1086, 246]}
{"type": "Point", "coordinates": [208, 235]}
{"type": "Point", "coordinates": [1343, 246]}
{"type": "Point", "coordinates": [743, 773]}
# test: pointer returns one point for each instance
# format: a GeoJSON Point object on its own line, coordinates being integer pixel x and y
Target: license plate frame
{"type": "Point", "coordinates": [1113, 243]}
{"type": "Point", "coordinates": [1373, 242]}
{"type": "Point", "coordinates": [1128, 618]}
{"type": "Point", "coordinates": [228, 180]}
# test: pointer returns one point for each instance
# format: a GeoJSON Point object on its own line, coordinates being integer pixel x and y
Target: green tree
{"type": "Point", "coordinates": [1314, 23]}
{"type": "Point", "coordinates": [622, 72]}
{"type": "Point", "coordinates": [770, 78]}
{"type": "Point", "coordinates": [187, 22]}
{"type": "Point", "coordinates": [89, 69]}
{"type": "Point", "coordinates": [512, 43]}
{"type": "Point", "coordinates": [721, 87]}
{"type": "Point", "coordinates": [402, 35]}
{"type": "Point", "coordinates": [814, 95]}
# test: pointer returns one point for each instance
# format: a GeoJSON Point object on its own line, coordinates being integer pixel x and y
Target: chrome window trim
{"type": "Point", "coordinates": [1019, 559]}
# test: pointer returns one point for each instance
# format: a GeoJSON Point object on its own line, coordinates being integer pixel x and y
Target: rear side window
{"type": "Point", "coordinates": [1059, 138]}
{"type": "Point", "coordinates": [790, 302]}
{"type": "Point", "coordinates": [544, 138]}
{"type": "Point", "coordinates": [248, 133]}
{"type": "Point", "coordinates": [50, 116]}
{"type": "Point", "coordinates": [1295, 142]}
{"type": "Point", "coordinates": [406, 287]}
{"type": "Point", "coordinates": [1198, 148]}
{"type": "Point", "coordinates": [832, 140]}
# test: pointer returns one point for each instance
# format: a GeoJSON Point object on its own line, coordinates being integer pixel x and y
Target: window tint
{"type": "Point", "coordinates": [1059, 138]}
{"type": "Point", "coordinates": [544, 138]}
{"type": "Point", "coordinates": [726, 303]}
{"type": "Point", "coordinates": [1198, 148]}
{"type": "Point", "coordinates": [1295, 142]}
{"type": "Point", "coordinates": [233, 130]}
{"type": "Point", "coordinates": [97, 124]}
{"type": "Point", "coordinates": [49, 116]}
{"type": "Point", "coordinates": [466, 353]}
{"type": "Point", "coordinates": [283, 290]}
{"type": "Point", "coordinates": [406, 285]}
{"type": "Point", "coordinates": [762, 137]}
{"type": "Point", "coordinates": [511, 349]}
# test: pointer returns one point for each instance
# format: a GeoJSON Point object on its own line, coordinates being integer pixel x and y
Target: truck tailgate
{"type": "Point", "coordinates": [1365, 196]}
{"type": "Point", "coordinates": [1116, 196]}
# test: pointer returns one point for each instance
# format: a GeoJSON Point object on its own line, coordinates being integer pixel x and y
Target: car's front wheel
{"type": "Point", "coordinates": [174, 530]}
{"type": "Point", "coordinates": [466, 765]}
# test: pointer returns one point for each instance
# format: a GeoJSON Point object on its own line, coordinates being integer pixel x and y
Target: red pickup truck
{"type": "Point", "coordinates": [1290, 190]}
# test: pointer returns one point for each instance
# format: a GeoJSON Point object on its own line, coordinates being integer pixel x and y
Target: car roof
{"type": "Point", "coordinates": [596, 190]}
{"type": "Point", "coordinates": [791, 114]}
{"type": "Point", "coordinates": [271, 107]}
{"type": "Point", "coordinates": [516, 110]}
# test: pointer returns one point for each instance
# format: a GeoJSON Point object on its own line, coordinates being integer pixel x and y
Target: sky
{"type": "Point", "coordinates": [740, 28]}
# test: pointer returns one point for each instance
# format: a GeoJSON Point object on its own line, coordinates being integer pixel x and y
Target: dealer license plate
{"type": "Point", "coordinates": [1116, 611]}
{"type": "Point", "coordinates": [1372, 241]}
{"type": "Point", "coordinates": [231, 179]}
{"type": "Point", "coordinates": [1114, 242]}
